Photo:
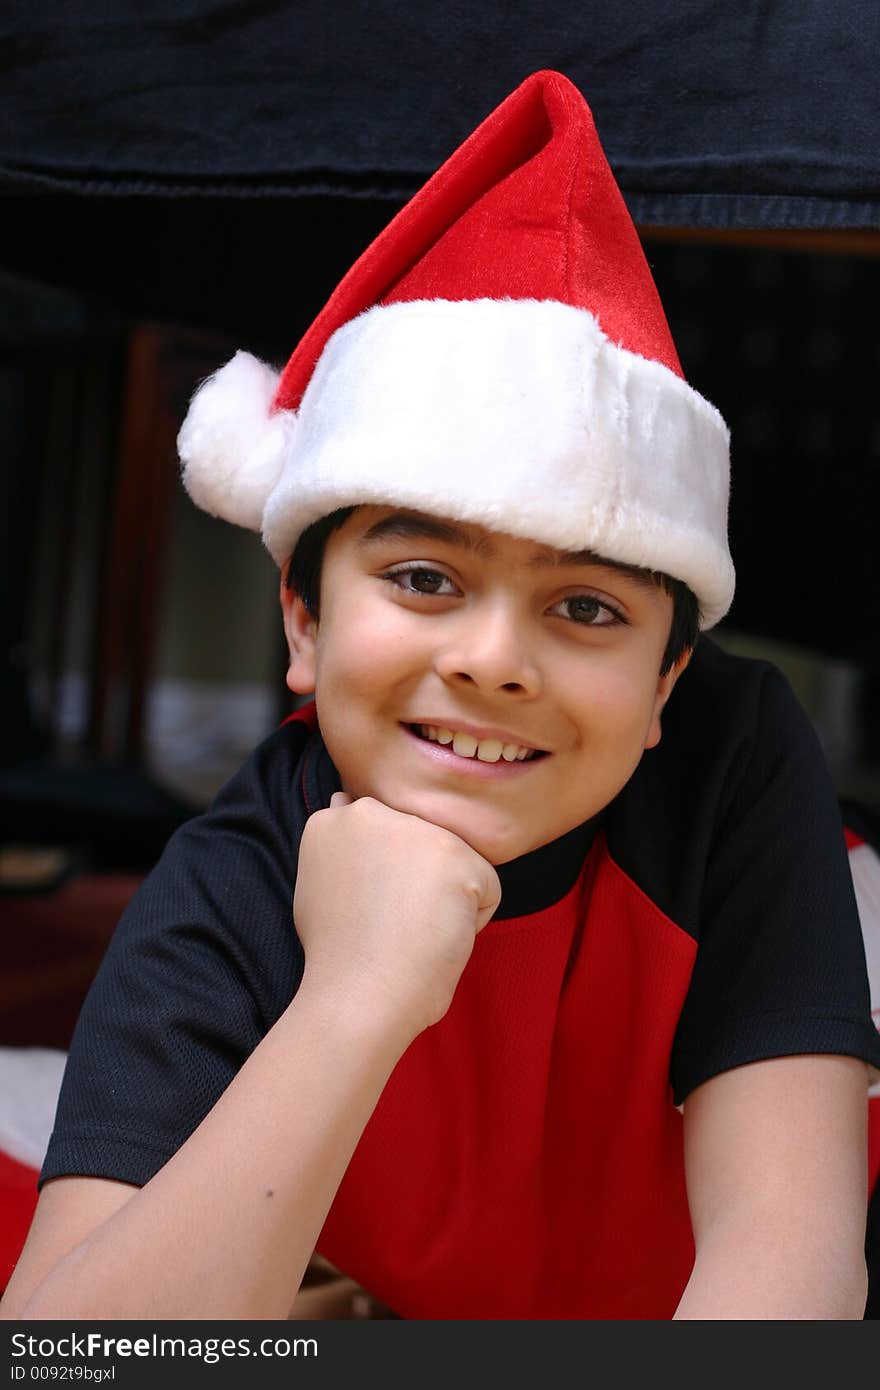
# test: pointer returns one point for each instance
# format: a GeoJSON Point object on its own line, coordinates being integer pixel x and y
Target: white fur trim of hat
{"type": "Point", "coordinates": [520, 416]}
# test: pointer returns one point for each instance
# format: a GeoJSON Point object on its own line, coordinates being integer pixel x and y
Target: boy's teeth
{"type": "Point", "coordinates": [487, 750]}
{"type": "Point", "coordinates": [465, 745]}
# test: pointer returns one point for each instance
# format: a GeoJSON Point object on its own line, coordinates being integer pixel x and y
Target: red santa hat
{"type": "Point", "coordinates": [498, 355]}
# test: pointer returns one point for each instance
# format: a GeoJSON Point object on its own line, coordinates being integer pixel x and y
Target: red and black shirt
{"type": "Point", "coordinates": [525, 1158]}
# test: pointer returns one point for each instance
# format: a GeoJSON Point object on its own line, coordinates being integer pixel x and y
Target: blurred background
{"type": "Point", "coordinates": [182, 179]}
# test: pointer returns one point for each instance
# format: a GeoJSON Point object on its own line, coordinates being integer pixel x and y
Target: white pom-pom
{"type": "Point", "coordinates": [231, 447]}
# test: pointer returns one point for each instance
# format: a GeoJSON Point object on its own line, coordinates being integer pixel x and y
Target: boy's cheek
{"type": "Point", "coordinates": [363, 649]}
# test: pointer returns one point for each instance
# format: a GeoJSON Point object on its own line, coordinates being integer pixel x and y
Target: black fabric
{"type": "Point", "coordinates": [720, 827]}
{"type": "Point", "coordinates": [202, 963]}
{"type": "Point", "coordinates": [536, 880]}
{"type": "Point", "coordinates": [750, 859]}
{"type": "Point", "coordinates": [712, 115]}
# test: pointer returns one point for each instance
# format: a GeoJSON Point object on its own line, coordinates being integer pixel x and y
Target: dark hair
{"type": "Point", "coordinates": [304, 575]}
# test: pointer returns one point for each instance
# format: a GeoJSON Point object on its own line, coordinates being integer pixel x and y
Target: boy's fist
{"type": "Point", "coordinates": [387, 907]}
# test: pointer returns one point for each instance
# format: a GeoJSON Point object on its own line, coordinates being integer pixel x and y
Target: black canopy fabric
{"type": "Point", "coordinates": [759, 114]}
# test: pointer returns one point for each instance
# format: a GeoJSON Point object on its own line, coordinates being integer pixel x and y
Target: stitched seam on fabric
{"type": "Point", "coordinates": [305, 795]}
{"type": "Point", "coordinates": [72, 1136]}
{"type": "Point", "coordinates": [773, 1016]}
{"type": "Point", "coordinates": [812, 1011]}
{"type": "Point", "coordinates": [657, 911]}
{"type": "Point", "coordinates": [567, 229]}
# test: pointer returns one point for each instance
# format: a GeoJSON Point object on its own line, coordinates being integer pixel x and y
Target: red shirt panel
{"type": "Point", "coordinates": [525, 1158]}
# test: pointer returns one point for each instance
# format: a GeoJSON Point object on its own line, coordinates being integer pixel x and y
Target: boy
{"type": "Point", "coordinates": [574, 1020]}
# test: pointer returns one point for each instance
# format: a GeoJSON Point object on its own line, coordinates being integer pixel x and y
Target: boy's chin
{"type": "Point", "coordinates": [497, 842]}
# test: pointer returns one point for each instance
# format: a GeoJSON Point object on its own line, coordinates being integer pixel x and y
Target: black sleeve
{"type": "Point", "coordinates": [780, 965]}
{"type": "Point", "coordinates": [202, 963]}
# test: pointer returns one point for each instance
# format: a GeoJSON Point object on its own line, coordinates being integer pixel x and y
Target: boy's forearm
{"type": "Point", "coordinates": [226, 1228]}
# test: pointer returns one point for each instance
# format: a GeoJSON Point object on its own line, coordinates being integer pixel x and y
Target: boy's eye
{"type": "Point", "coordinates": [590, 611]}
{"type": "Point", "coordinates": [583, 609]}
{"type": "Point", "coordinates": [418, 579]}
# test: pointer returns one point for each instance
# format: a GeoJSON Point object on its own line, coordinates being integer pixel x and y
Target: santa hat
{"type": "Point", "coordinates": [498, 355]}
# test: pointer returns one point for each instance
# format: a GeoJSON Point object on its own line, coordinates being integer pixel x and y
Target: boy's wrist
{"type": "Point", "coordinates": [354, 1013]}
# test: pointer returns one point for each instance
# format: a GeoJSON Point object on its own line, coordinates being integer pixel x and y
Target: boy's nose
{"type": "Point", "coordinates": [487, 650]}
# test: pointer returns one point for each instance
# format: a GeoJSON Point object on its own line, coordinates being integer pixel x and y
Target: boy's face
{"type": "Point", "coordinates": [437, 623]}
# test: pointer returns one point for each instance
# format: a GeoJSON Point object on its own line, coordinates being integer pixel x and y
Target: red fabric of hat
{"type": "Point", "coordinates": [526, 208]}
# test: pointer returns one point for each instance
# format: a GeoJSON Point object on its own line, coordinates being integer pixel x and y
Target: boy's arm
{"type": "Point", "coordinates": [776, 1164]}
{"type": "Point", "coordinates": [226, 1228]}
{"type": "Point", "coordinates": [387, 907]}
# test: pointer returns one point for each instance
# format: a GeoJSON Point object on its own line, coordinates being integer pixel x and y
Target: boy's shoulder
{"type": "Point", "coordinates": [725, 709]}
{"type": "Point", "coordinates": [718, 682]}
{"type": "Point", "coordinates": [738, 768]}
{"type": "Point", "coordinates": [287, 773]}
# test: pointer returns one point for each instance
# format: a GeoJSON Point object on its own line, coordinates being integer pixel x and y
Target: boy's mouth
{"type": "Point", "coordinates": [465, 745]}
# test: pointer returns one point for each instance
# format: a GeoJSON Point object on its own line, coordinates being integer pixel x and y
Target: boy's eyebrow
{"type": "Point", "coordinates": [404, 526]}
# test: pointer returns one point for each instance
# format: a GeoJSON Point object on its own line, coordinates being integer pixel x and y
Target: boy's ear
{"type": "Point", "coordinates": [665, 687]}
{"type": "Point", "coordinates": [300, 629]}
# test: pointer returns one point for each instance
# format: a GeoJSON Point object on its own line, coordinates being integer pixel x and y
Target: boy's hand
{"type": "Point", "coordinates": [387, 907]}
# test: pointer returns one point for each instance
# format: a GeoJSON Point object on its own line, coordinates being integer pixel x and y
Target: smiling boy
{"type": "Point", "coordinates": [572, 1018]}
{"type": "Point", "coordinates": [574, 645]}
